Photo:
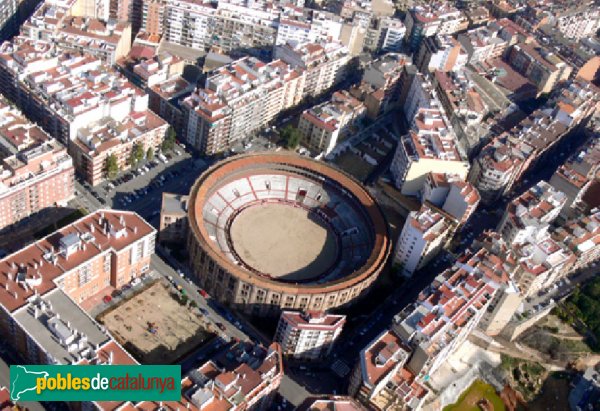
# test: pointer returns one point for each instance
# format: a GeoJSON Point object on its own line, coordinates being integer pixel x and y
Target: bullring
{"type": "Point", "coordinates": [269, 231]}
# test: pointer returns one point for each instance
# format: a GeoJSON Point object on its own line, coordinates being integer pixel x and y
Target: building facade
{"type": "Point", "coordinates": [424, 233]}
{"type": "Point", "coordinates": [237, 100]}
{"type": "Point", "coordinates": [327, 124]}
{"type": "Point", "coordinates": [35, 171]}
{"type": "Point", "coordinates": [308, 335]}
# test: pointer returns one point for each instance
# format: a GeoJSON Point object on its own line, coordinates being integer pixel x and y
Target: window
{"type": "Point", "coordinates": [85, 274]}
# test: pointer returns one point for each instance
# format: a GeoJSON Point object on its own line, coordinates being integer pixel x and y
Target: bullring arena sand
{"type": "Point", "coordinates": [283, 241]}
{"type": "Point", "coordinates": [178, 330]}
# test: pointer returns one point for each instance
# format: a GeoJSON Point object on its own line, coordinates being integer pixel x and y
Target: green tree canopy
{"type": "Point", "coordinates": [137, 154]}
{"type": "Point", "coordinates": [169, 141]}
{"type": "Point", "coordinates": [292, 136]}
{"type": "Point", "coordinates": [150, 154]}
{"type": "Point", "coordinates": [111, 166]}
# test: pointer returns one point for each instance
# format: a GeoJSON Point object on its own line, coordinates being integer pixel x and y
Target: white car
{"type": "Point", "coordinates": [135, 282]}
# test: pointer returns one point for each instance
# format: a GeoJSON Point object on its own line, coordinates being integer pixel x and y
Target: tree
{"type": "Point", "coordinates": [150, 154]}
{"type": "Point", "coordinates": [169, 141]}
{"type": "Point", "coordinates": [112, 166]}
{"type": "Point", "coordinates": [291, 135]}
{"type": "Point", "coordinates": [137, 154]}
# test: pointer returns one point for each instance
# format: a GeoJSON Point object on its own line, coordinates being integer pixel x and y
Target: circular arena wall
{"type": "Point", "coordinates": [272, 231]}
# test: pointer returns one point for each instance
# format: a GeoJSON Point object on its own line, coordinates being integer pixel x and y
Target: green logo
{"type": "Point", "coordinates": [95, 382]}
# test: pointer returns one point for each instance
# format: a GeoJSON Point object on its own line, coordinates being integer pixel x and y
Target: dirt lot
{"type": "Point", "coordinates": [177, 329]}
{"type": "Point", "coordinates": [283, 241]}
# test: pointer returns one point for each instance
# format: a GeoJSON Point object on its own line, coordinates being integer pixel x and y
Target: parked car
{"type": "Point", "coordinates": [107, 299]}
{"type": "Point", "coordinates": [221, 326]}
{"type": "Point", "coordinates": [135, 282]}
{"type": "Point", "coordinates": [117, 293]}
{"type": "Point", "coordinates": [203, 293]}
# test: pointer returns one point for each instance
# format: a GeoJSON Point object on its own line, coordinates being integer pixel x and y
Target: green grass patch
{"type": "Point", "coordinates": [478, 391]}
{"type": "Point", "coordinates": [57, 225]}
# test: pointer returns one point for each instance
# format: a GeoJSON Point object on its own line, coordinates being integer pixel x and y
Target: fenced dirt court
{"type": "Point", "coordinates": [177, 329]}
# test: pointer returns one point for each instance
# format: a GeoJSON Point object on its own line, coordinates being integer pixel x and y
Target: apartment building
{"type": "Point", "coordinates": [17, 133]}
{"type": "Point", "coordinates": [380, 377]}
{"type": "Point", "coordinates": [525, 226]}
{"type": "Point", "coordinates": [384, 84]}
{"type": "Point", "coordinates": [392, 33]}
{"type": "Point", "coordinates": [308, 336]}
{"type": "Point", "coordinates": [37, 173]}
{"type": "Point", "coordinates": [9, 18]}
{"type": "Point", "coordinates": [483, 43]}
{"type": "Point", "coordinates": [493, 171]}
{"type": "Point", "coordinates": [62, 91]}
{"type": "Point", "coordinates": [164, 100]}
{"type": "Point", "coordinates": [581, 236]}
{"type": "Point", "coordinates": [157, 69]}
{"type": "Point", "coordinates": [244, 377]}
{"type": "Point", "coordinates": [576, 104]}
{"type": "Point", "coordinates": [449, 309]}
{"type": "Point", "coordinates": [424, 234]}
{"type": "Point", "coordinates": [189, 23]}
{"type": "Point", "coordinates": [173, 218]}
{"type": "Point", "coordinates": [108, 137]}
{"type": "Point", "coordinates": [508, 298]}
{"type": "Point", "coordinates": [153, 17]}
{"type": "Point", "coordinates": [468, 108]}
{"type": "Point", "coordinates": [308, 26]}
{"type": "Point", "coordinates": [531, 213]}
{"type": "Point", "coordinates": [324, 64]}
{"type": "Point", "coordinates": [293, 31]}
{"type": "Point", "coordinates": [238, 99]}
{"type": "Point", "coordinates": [577, 178]}
{"type": "Point", "coordinates": [41, 317]}
{"type": "Point", "coordinates": [504, 161]}
{"type": "Point", "coordinates": [428, 147]}
{"type": "Point", "coordinates": [394, 368]}
{"type": "Point", "coordinates": [579, 22]}
{"type": "Point", "coordinates": [385, 34]}
{"type": "Point", "coordinates": [574, 21]}
{"type": "Point", "coordinates": [451, 194]}
{"type": "Point", "coordinates": [440, 52]}
{"type": "Point", "coordinates": [229, 25]}
{"type": "Point", "coordinates": [542, 262]}
{"type": "Point", "coordinates": [477, 14]}
{"type": "Point", "coordinates": [420, 94]}
{"type": "Point", "coordinates": [325, 125]}
{"type": "Point", "coordinates": [434, 18]}
{"type": "Point", "coordinates": [540, 66]}
{"type": "Point", "coordinates": [73, 31]}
